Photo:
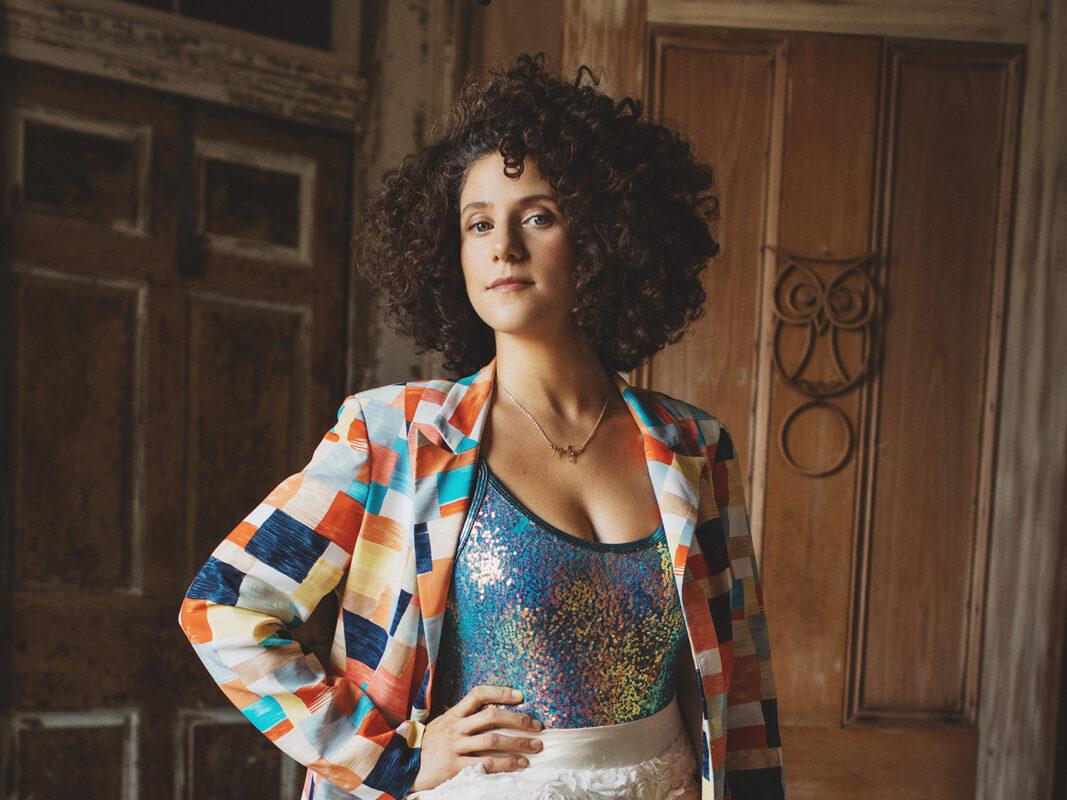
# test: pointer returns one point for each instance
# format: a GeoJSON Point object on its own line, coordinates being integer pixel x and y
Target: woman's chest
{"type": "Point", "coordinates": [604, 495]}
{"type": "Point", "coordinates": [590, 632]}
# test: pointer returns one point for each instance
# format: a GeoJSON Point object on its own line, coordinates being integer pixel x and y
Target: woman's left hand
{"type": "Point", "coordinates": [465, 734]}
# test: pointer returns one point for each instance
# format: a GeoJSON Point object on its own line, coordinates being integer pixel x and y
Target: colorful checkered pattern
{"type": "Point", "coordinates": [380, 507]}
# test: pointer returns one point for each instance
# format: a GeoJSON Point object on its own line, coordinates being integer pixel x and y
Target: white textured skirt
{"type": "Point", "coordinates": [647, 759]}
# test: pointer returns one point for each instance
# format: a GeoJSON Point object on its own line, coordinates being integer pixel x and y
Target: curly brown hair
{"type": "Point", "coordinates": [636, 201]}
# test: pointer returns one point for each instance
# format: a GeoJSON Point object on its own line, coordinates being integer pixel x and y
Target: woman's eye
{"type": "Point", "coordinates": [540, 220]}
{"type": "Point", "coordinates": [479, 226]}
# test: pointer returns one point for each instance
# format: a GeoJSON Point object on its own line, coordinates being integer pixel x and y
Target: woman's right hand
{"type": "Point", "coordinates": [463, 735]}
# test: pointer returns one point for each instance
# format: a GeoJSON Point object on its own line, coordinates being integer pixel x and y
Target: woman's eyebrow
{"type": "Point", "coordinates": [530, 198]}
{"type": "Point", "coordinates": [474, 204]}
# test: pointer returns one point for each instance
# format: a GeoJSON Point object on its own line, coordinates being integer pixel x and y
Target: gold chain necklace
{"type": "Point", "coordinates": [569, 452]}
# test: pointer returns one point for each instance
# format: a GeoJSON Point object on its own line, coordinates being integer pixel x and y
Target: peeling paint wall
{"type": "Point", "coordinates": [414, 56]}
{"type": "Point", "coordinates": [423, 53]}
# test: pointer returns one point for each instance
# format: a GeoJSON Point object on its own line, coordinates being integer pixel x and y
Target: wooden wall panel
{"type": "Point", "coordinates": [208, 740]}
{"type": "Point", "coordinates": [879, 764]}
{"type": "Point", "coordinates": [82, 168]}
{"type": "Point", "coordinates": [79, 445]}
{"type": "Point", "coordinates": [827, 190]}
{"type": "Point", "coordinates": [928, 532]}
{"type": "Point", "coordinates": [696, 79]}
{"type": "Point", "coordinates": [104, 206]}
{"type": "Point", "coordinates": [75, 754]}
{"type": "Point", "coordinates": [255, 203]}
{"type": "Point", "coordinates": [148, 674]}
{"type": "Point", "coordinates": [45, 758]}
{"type": "Point", "coordinates": [313, 273]}
{"type": "Point", "coordinates": [249, 391]}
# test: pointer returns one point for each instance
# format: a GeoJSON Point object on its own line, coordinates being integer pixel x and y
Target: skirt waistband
{"type": "Point", "coordinates": [606, 746]}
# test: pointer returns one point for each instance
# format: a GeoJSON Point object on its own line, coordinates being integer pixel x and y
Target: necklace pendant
{"type": "Point", "coordinates": [567, 452]}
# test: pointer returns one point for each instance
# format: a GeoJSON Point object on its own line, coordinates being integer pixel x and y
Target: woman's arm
{"type": "Point", "coordinates": [271, 572]}
{"type": "Point", "coordinates": [690, 702]}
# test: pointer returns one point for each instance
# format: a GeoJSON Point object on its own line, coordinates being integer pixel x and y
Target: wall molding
{"type": "Point", "coordinates": [168, 53]}
{"type": "Point", "coordinates": [961, 20]}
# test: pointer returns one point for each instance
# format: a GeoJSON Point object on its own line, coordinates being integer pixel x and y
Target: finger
{"type": "Point", "coordinates": [501, 743]}
{"type": "Point", "coordinates": [494, 717]}
{"type": "Point", "coordinates": [481, 695]}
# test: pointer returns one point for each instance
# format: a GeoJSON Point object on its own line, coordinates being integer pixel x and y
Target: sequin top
{"type": "Point", "coordinates": [590, 632]}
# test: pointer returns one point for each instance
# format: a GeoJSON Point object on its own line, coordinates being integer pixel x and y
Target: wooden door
{"type": "Point", "coordinates": [852, 344]}
{"type": "Point", "coordinates": [176, 319]}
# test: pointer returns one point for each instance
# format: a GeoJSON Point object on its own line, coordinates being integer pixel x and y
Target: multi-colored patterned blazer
{"type": "Point", "coordinates": [380, 507]}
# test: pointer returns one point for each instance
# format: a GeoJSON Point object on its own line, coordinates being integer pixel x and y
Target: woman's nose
{"type": "Point", "coordinates": [507, 245]}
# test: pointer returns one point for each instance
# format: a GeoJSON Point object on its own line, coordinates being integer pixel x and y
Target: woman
{"type": "Point", "coordinates": [536, 557]}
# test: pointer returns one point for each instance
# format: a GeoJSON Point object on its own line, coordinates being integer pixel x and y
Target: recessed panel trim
{"type": "Point", "coordinates": [224, 220]}
{"type": "Point", "coordinates": [135, 293]}
{"type": "Point", "coordinates": [86, 192]}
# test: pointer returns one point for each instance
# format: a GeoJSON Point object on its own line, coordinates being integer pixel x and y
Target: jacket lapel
{"type": "Point", "coordinates": [674, 473]}
{"type": "Point", "coordinates": [443, 440]}
{"type": "Point", "coordinates": [676, 480]}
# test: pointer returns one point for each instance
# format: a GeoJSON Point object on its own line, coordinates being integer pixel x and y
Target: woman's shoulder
{"type": "Point", "coordinates": [700, 426]}
{"type": "Point", "coordinates": [399, 404]}
{"type": "Point", "coordinates": [429, 390]}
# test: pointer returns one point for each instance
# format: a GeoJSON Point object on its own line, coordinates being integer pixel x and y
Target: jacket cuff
{"type": "Point", "coordinates": [398, 765]}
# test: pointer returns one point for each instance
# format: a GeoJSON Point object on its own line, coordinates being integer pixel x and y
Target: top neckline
{"type": "Point", "coordinates": [643, 543]}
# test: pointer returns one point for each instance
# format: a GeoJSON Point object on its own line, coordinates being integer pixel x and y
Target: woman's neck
{"type": "Point", "coordinates": [564, 378]}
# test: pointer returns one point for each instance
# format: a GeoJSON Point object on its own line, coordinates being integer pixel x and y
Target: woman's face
{"type": "Point", "coordinates": [517, 257]}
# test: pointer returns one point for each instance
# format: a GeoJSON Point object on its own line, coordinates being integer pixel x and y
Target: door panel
{"type": "Point", "coordinates": [79, 433]}
{"type": "Point", "coordinates": [105, 742]}
{"type": "Point", "coordinates": [247, 405]}
{"type": "Point", "coordinates": [697, 80]}
{"type": "Point", "coordinates": [879, 763]}
{"type": "Point", "coordinates": [179, 275]}
{"type": "Point", "coordinates": [872, 332]}
{"type": "Point", "coordinates": [826, 221]}
{"type": "Point", "coordinates": [927, 534]}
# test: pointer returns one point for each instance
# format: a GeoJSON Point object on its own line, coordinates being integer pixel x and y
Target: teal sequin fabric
{"type": "Point", "coordinates": [590, 632]}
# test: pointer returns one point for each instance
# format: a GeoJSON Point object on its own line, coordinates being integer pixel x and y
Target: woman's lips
{"type": "Point", "coordinates": [509, 284]}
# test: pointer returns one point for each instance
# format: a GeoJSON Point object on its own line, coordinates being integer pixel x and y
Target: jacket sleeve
{"type": "Point", "coordinates": [270, 573]}
{"type": "Point", "coordinates": [753, 746]}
